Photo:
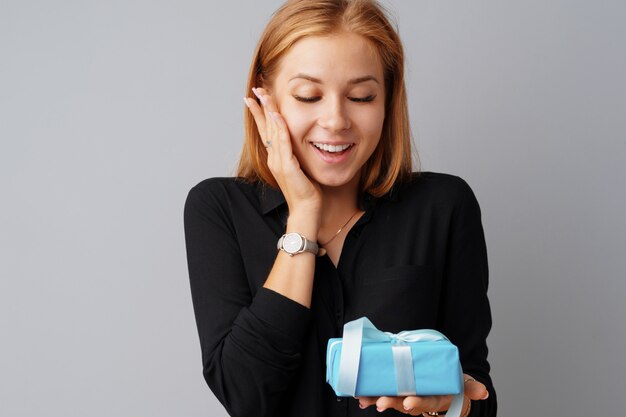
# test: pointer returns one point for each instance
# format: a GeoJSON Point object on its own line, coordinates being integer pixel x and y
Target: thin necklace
{"type": "Point", "coordinates": [341, 228]}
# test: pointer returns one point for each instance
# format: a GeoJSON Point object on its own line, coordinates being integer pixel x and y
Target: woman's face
{"type": "Point", "coordinates": [330, 91]}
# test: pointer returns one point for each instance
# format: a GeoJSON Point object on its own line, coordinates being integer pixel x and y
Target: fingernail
{"type": "Point", "coordinates": [256, 93]}
{"type": "Point", "coordinates": [407, 408]}
{"type": "Point", "coordinates": [361, 406]}
{"type": "Point", "coordinates": [245, 100]}
{"type": "Point", "coordinates": [274, 116]}
{"type": "Point", "coordinates": [486, 396]}
{"type": "Point", "coordinates": [380, 410]}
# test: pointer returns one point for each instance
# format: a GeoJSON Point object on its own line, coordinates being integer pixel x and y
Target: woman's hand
{"type": "Point", "coordinates": [415, 406]}
{"type": "Point", "coordinates": [302, 194]}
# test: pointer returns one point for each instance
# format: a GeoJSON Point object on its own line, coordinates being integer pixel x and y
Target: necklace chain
{"type": "Point", "coordinates": [340, 229]}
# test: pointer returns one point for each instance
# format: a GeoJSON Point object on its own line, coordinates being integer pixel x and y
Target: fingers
{"type": "Point", "coordinates": [260, 112]}
{"type": "Point", "coordinates": [475, 390]}
{"type": "Point", "coordinates": [261, 95]}
{"type": "Point", "coordinates": [430, 403]}
{"type": "Point", "coordinates": [365, 402]}
{"type": "Point", "coordinates": [284, 142]}
{"type": "Point", "coordinates": [276, 136]}
{"type": "Point", "coordinates": [270, 131]}
{"type": "Point", "coordinates": [411, 405]}
{"type": "Point", "coordinates": [271, 112]}
{"type": "Point", "coordinates": [275, 129]}
{"type": "Point", "coordinates": [259, 116]}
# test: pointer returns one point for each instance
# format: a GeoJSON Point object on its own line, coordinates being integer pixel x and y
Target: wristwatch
{"type": "Point", "coordinates": [294, 243]}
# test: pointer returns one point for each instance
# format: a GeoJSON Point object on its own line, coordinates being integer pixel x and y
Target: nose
{"type": "Point", "coordinates": [334, 117]}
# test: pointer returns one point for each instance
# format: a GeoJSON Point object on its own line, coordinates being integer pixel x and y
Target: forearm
{"type": "Point", "coordinates": [292, 276]}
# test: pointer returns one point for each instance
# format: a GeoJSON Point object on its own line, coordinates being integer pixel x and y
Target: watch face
{"type": "Point", "coordinates": [292, 242]}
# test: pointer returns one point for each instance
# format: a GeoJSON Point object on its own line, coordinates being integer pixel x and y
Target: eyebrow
{"type": "Point", "coordinates": [352, 81]}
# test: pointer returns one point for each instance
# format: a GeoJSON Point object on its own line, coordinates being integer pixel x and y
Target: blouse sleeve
{"type": "Point", "coordinates": [465, 315]}
{"type": "Point", "coordinates": [251, 344]}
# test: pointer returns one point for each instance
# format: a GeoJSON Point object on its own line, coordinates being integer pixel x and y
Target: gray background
{"type": "Point", "coordinates": [110, 112]}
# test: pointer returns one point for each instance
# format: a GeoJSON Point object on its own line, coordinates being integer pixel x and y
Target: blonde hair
{"type": "Point", "coordinates": [296, 19]}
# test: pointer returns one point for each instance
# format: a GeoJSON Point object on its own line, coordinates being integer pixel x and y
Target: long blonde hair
{"type": "Point", "coordinates": [392, 159]}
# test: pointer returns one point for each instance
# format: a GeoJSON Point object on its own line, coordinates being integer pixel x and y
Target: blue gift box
{"type": "Point", "coordinates": [369, 362]}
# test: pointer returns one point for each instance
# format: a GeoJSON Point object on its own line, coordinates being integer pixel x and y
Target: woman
{"type": "Point", "coordinates": [326, 171]}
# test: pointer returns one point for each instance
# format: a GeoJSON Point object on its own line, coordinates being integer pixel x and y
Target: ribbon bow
{"type": "Point", "coordinates": [362, 330]}
{"type": "Point", "coordinates": [409, 336]}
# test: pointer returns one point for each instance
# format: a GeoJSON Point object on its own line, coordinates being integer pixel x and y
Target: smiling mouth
{"type": "Point", "coordinates": [332, 149]}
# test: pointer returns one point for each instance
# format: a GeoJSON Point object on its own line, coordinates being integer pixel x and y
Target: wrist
{"type": "Point", "coordinates": [305, 211]}
{"type": "Point", "coordinates": [304, 223]}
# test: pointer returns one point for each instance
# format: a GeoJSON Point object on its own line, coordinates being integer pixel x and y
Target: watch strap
{"type": "Point", "coordinates": [310, 246]}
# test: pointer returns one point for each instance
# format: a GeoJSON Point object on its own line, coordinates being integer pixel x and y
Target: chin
{"type": "Point", "coordinates": [333, 180]}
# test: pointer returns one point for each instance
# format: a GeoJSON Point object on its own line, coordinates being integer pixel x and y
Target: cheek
{"type": "Point", "coordinates": [298, 123]}
{"type": "Point", "coordinates": [371, 123]}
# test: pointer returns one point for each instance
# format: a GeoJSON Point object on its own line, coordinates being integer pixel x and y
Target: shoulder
{"type": "Point", "coordinates": [435, 187]}
{"type": "Point", "coordinates": [222, 187]}
{"type": "Point", "coordinates": [220, 192]}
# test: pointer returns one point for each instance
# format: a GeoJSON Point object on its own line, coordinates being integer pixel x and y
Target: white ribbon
{"type": "Point", "coordinates": [362, 330]}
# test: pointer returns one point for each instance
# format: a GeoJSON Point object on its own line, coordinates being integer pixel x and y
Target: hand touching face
{"type": "Point", "coordinates": [301, 193]}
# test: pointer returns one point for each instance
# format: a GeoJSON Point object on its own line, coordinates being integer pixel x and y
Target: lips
{"type": "Point", "coordinates": [332, 148]}
{"type": "Point", "coordinates": [332, 153]}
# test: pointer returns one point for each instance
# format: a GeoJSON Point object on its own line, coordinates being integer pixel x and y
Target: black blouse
{"type": "Point", "coordinates": [416, 259]}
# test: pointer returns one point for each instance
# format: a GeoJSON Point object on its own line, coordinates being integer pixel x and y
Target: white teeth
{"type": "Point", "coordinates": [331, 148]}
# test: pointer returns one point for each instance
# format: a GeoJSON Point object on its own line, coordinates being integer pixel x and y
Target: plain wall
{"type": "Point", "coordinates": [111, 111]}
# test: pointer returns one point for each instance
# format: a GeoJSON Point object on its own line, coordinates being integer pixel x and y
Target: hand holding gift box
{"type": "Point", "coordinates": [369, 362]}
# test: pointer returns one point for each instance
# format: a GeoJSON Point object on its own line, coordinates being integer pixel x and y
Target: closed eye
{"type": "Point", "coordinates": [307, 99]}
{"type": "Point", "coordinates": [355, 99]}
{"type": "Point", "coordinates": [363, 99]}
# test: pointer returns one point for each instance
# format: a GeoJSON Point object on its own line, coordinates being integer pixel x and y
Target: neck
{"type": "Point", "coordinates": [339, 203]}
